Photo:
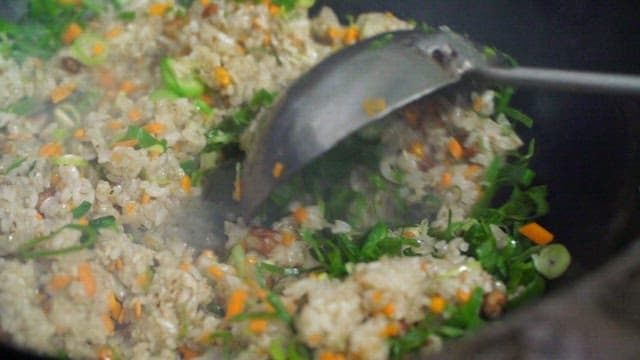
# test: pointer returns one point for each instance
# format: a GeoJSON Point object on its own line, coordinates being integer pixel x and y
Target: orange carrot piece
{"type": "Point", "coordinates": [277, 170]}
{"type": "Point", "coordinates": [438, 304]}
{"type": "Point", "coordinates": [145, 198]}
{"type": "Point", "coordinates": [391, 330]}
{"type": "Point", "coordinates": [389, 310]}
{"type": "Point", "coordinates": [85, 276]}
{"type": "Point", "coordinates": [62, 92]}
{"type": "Point", "coordinates": [334, 32]}
{"type": "Point", "coordinates": [137, 309]}
{"type": "Point", "coordinates": [125, 143]}
{"type": "Point", "coordinates": [158, 9]}
{"type": "Point", "coordinates": [536, 233]}
{"type": "Point", "coordinates": [50, 149]}
{"type": "Point", "coordinates": [455, 149]}
{"type": "Point", "coordinates": [446, 179]}
{"type": "Point", "coordinates": [222, 76]}
{"type": "Point", "coordinates": [134, 115]}
{"type": "Point", "coordinates": [60, 281]}
{"type": "Point", "coordinates": [185, 184]}
{"type": "Point", "coordinates": [288, 238]}
{"type": "Point", "coordinates": [71, 33]}
{"type": "Point", "coordinates": [417, 149]}
{"type": "Point", "coordinates": [300, 215]}
{"type": "Point", "coordinates": [258, 325]}
{"type": "Point", "coordinates": [236, 303]}
{"type": "Point", "coordinates": [463, 296]}
{"type": "Point", "coordinates": [108, 324]}
{"type": "Point", "coordinates": [113, 33]}
{"type": "Point", "coordinates": [155, 128]}
{"type": "Point", "coordinates": [216, 272]}
{"type": "Point", "coordinates": [127, 86]}
{"type": "Point", "coordinates": [351, 35]}
{"type": "Point", "coordinates": [79, 134]}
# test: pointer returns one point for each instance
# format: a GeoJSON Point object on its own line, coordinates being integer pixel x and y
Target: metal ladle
{"type": "Point", "coordinates": [329, 102]}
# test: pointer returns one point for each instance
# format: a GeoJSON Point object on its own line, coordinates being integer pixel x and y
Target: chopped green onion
{"type": "Point", "coordinates": [14, 165]}
{"type": "Point", "coordinates": [81, 210]}
{"type": "Point", "coordinates": [70, 159]}
{"type": "Point", "coordinates": [180, 78]}
{"type": "Point", "coordinates": [552, 261]}
{"type": "Point", "coordinates": [90, 49]}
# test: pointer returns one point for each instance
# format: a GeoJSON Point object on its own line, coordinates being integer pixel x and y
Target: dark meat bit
{"type": "Point", "coordinates": [44, 195]}
{"type": "Point", "coordinates": [493, 303]}
{"type": "Point", "coordinates": [261, 240]}
{"type": "Point", "coordinates": [211, 9]}
{"type": "Point", "coordinates": [71, 65]}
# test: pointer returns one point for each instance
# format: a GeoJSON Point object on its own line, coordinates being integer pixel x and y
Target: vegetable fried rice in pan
{"type": "Point", "coordinates": [113, 114]}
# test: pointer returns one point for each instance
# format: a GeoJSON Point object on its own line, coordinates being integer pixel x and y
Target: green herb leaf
{"type": "Point", "coordinates": [81, 210]}
{"type": "Point", "coordinates": [14, 165]}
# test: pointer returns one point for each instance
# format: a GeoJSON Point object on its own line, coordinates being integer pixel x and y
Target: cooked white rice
{"type": "Point", "coordinates": [156, 297]}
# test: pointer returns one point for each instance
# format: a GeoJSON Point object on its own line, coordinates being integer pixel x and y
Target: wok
{"type": "Point", "coordinates": [588, 152]}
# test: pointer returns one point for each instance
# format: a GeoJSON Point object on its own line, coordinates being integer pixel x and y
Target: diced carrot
{"type": "Point", "coordinates": [455, 149]}
{"type": "Point", "coordinates": [142, 279]}
{"type": "Point", "coordinates": [185, 184]}
{"type": "Point", "coordinates": [79, 134]}
{"type": "Point", "coordinates": [98, 48]}
{"type": "Point", "coordinates": [417, 149]}
{"type": "Point", "coordinates": [130, 208]}
{"type": "Point", "coordinates": [389, 309]}
{"type": "Point", "coordinates": [125, 143]}
{"type": "Point", "coordinates": [134, 115]}
{"type": "Point", "coordinates": [446, 179]}
{"type": "Point", "coordinates": [205, 2]}
{"type": "Point", "coordinates": [266, 40]}
{"type": "Point", "coordinates": [119, 264]}
{"type": "Point", "coordinates": [137, 309]}
{"type": "Point", "coordinates": [287, 238]}
{"type": "Point", "coordinates": [127, 86]}
{"type": "Point", "coordinates": [85, 276]}
{"type": "Point", "coordinates": [207, 99]}
{"type": "Point", "coordinates": [330, 355]}
{"type": "Point", "coordinates": [437, 304]}
{"type": "Point", "coordinates": [187, 353]}
{"type": "Point", "coordinates": [376, 296]}
{"type": "Point", "coordinates": [258, 325]}
{"type": "Point", "coordinates": [155, 128]}
{"type": "Point", "coordinates": [222, 76]}
{"type": "Point", "coordinates": [185, 266]}
{"type": "Point", "coordinates": [115, 124]}
{"type": "Point", "coordinates": [113, 33]}
{"type": "Point", "coordinates": [274, 9]}
{"type": "Point", "coordinates": [115, 307]}
{"type": "Point", "coordinates": [60, 281]}
{"type": "Point", "coordinates": [335, 33]}
{"type": "Point", "coordinates": [71, 33]}
{"type": "Point", "coordinates": [108, 324]}
{"type": "Point", "coordinates": [463, 296]}
{"type": "Point", "coordinates": [351, 35]}
{"type": "Point", "coordinates": [106, 79]}
{"type": "Point", "coordinates": [536, 233]}
{"type": "Point", "coordinates": [105, 353]}
{"type": "Point", "coordinates": [277, 169]}
{"type": "Point", "coordinates": [236, 303]}
{"type": "Point", "coordinates": [158, 9]}
{"type": "Point", "coordinates": [62, 92]}
{"type": "Point", "coordinates": [300, 215]}
{"type": "Point", "coordinates": [83, 221]}
{"type": "Point", "coordinates": [50, 149]}
{"type": "Point", "coordinates": [391, 330]}
{"type": "Point", "coordinates": [408, 234]}
{"type": "Point", "coordinates": [216, 272]}
{"type": "Point", "coordinates": [471, 170]}
{"type": "Point", "coordinates": [145, 198]}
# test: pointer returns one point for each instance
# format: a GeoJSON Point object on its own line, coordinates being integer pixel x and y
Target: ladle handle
{"type": "Point", "coordinates": [575, 81]}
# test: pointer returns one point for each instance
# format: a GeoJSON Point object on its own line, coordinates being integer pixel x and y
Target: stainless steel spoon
{"type": "Point", "coordinates": [362, 83]}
